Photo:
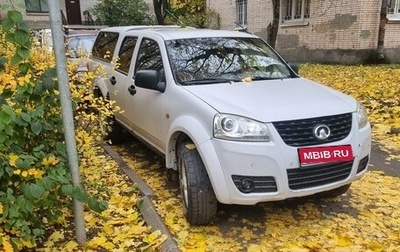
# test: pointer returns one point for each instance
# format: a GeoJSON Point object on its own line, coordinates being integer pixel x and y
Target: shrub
{"type": "Point", "coordinates": [123, 12]}
{"type": "Point", "coordinates": [35, 183]}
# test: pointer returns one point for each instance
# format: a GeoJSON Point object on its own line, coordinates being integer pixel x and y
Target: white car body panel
{"type": "Point", "coordinates": [299, 98]}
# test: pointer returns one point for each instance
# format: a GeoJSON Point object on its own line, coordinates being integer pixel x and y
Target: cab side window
{"type": "Point", "coordinates": [149, 57]}
{"type": "Point", "coordinates": [125, 54]}
{"type": "Point", "coordinates": [104, 46]}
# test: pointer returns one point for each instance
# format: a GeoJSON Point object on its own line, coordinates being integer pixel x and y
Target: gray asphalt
{"type": "Point", "coordinates": [379, 162]}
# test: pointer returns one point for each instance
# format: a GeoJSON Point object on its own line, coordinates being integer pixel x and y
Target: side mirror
{"type": "Point", "coordinates": [149, 79]}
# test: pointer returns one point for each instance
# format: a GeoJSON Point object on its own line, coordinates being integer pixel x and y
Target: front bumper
{"type": "Point", "coordinates": [275, 169]}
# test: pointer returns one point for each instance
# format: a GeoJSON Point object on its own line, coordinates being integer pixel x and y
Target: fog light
{"type": "Point", "coordinates": [246, 185]}
{"type": "Point", "coordinates": [363, 164]}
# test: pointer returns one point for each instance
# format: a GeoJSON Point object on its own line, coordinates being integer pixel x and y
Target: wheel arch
{"type": "Point", "coordinates": [100, 88]}
{"type": "Point", "coordinates": [179, 132]}
{"type": "Point", "coordinates": [189, 129]}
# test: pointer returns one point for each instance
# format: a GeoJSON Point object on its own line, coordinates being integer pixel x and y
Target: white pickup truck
{"type": "Point", "coordinates": [230, 116]}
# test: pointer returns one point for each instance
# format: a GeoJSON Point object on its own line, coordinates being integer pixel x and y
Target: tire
{"type": "Point", "coordinates": [117, 134]}
{"type": "Point", "coordinates": [198, 197]}
{"type": "Point", "coordinates": [335, 192]}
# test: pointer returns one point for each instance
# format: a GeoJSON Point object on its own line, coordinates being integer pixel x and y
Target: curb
{"type": "Point", "coordinates": [146, 208]}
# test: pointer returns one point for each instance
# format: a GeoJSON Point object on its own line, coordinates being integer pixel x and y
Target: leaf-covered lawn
{"type": "Point", "coordinates": [119, 228]}
{"type": "Point", "coordinates": [377, 87]}
{"type": "Point", "coordinates": [367, 218]}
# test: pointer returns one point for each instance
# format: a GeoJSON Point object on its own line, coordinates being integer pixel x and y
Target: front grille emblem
{"type": "Point", "coordinates": [321, 131]}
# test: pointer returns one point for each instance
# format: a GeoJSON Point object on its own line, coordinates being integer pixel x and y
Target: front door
{"type": "Point", "coordinates": [73, 12]}
{"type": "Point", "coordinates": [146, 111]}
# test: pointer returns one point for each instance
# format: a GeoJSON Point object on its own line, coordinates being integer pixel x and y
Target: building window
{"type": "Point", "coordinates": [241, 12]}
{"type": "Point", "coordinates": [393, 8]}
{"type": "Point", "coordinates": [295, 10]}
{"type": "Point", "coordinates": [36, 6]}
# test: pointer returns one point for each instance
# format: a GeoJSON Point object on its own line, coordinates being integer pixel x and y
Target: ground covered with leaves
{"type": "Point", "coordinates": [118, 228]}
{"type": "Point", "coordinates": [367, 218]}
{"type": "Point", "coordinates": [376, 87]}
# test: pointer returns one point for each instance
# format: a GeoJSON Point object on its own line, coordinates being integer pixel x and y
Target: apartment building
{"type": "Point", "coordinates": [326, 31]}
{"type": "Point", "coordinates": [74, 12]}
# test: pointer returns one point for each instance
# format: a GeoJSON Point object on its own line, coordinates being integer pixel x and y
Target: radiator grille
{"type": "Point", "coordinates": [317, 175]}
{"type": "Point", "coordinates": [300, 132]}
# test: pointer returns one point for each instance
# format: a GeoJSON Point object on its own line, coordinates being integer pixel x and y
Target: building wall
{"type": "Point", "coordinates": [392, 42]}
{"type": "Point", "coordinates": [260, 12]}
{"type": "Point", "coordinates": [346, 25]}
{"type": "Point", "coordinates": [41, 20]}
{"type": "Point", "coordinates": [227, 11]}
{"type": "Point", "coordinates": [86, 5]}
{"type": "Point", "coordinates": [337, 31]}
{"type": "Point", "coordinates": [392, 35]}
{"type": "Point", "coordinates": [350, 25]}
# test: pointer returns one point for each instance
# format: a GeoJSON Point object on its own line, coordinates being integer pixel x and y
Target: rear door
{"type": "Point", "coordinates": [104, 62]}
{"type": "Point", "coordinates": [121, 79]}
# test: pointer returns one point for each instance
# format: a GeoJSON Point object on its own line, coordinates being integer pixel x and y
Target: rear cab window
{"type": "Point", "coordinates": [125, 54]}
{"type": "Point", "coordinates": [104, 46]}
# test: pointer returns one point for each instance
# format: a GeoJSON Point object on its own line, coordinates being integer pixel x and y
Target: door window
{"type": "Point", "coordinates": [105, 45]}
{"type": "Point", "coordinates": [125, 54]}
{"type": "Point", "coordinates": [149, 57]}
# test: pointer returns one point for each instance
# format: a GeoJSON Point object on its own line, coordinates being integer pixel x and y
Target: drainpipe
{"type": "Point", "coordinates": [381, 31]}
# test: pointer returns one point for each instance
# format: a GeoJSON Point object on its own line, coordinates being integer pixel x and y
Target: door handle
{"type": "Point", "coordinates": [132, 89]}
{"type": "Point", "coordinates": [113, 80]}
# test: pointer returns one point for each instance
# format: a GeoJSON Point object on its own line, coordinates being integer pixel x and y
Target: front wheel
{"type": "Point", "coordinates": [198, 198]}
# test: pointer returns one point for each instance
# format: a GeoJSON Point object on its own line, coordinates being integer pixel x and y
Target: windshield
{"type": "Point", "coordinates": [80, 45]}
{"type": "Point", "coordinates": [216, 60]}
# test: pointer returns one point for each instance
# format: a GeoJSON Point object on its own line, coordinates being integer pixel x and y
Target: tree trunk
{"type": "Point", "coordinates": [273, 32]}
{"type": "Point", "coordinates": [158, 10]}
{"type": "Point", "coordinates": [382, 28]}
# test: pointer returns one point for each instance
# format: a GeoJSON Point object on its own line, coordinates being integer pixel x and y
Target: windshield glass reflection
{"type": "Point", "coordinates": [217, 60]}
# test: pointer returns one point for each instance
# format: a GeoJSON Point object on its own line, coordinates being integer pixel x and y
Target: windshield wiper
{"type": "Point", "coordinates": [209, 81]}
{"type": "Point", "coordinates": [268, 78]}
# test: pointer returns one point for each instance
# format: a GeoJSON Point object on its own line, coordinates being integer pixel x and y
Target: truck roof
{"type": "Point", "coordinates": [169, 32]}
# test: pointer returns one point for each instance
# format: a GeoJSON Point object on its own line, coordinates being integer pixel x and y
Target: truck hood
{"type": "Point", "coordinates": [274, 100]}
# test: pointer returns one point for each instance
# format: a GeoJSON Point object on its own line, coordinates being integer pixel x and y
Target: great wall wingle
{"type": "Point", "coordinates": [230, 116]}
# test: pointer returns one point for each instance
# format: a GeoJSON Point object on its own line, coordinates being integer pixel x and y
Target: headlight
{"type": "Point", "coordinates": [362, 115]}
{"type": "Point", "coordinates": [231, 127]}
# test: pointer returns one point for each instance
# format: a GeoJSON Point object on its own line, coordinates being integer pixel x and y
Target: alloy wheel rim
{"type": "Point", "coordinates": [183, 183]}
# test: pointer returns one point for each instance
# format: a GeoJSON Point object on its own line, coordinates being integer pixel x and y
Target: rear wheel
{"type": "Point", "coordinates": [198, 198]}
{"type": "Point", "coordinates": [117, 133]}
